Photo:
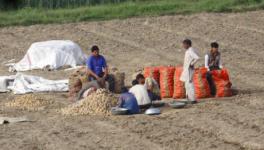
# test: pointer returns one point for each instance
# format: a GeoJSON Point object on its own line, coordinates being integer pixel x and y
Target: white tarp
{"type": "Point", "coordinates": [51, 54]}
{"type": "Point", "coordinates": [30, 84]}
{"type": "Point", "coordinates": [4, 82]}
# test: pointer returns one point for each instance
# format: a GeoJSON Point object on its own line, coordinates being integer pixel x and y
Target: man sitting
{"type": "Point", "coordinates": [153, 89]}
{"type": "Point", "coordinates": [213, 58]}
{"type": "Point", "coordinates": [213, 62]}
{"type": "Point", "coordinates": [140, 92]}
{"type": "Point", "coordinates": [128, 100]}
{"type": "Point", "coordinates": [97, 68]}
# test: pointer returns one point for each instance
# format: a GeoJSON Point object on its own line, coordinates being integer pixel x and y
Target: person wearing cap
{"type": "Point", "coordinates": [190, 59]}
{"type": "Point", "coordinates": [213, 62]}
{"type": "Point", "coordinates": [128, 100]}
{"type": "Point", "coordinates": [97, 68]}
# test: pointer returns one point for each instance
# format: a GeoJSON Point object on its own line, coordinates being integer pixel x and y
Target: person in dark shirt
{"type": "Point", "coordinates": [213, 62]}
{"type": "Point", "coordinates": [97, 68]}
{"type": "Point", "coordinates": [128, 100]}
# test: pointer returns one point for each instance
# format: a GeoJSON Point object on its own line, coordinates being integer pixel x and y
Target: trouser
{"type": "Point", "coordinates": [190, 93]}
{"type": "Point", "coordinates": [153, 96]}
{"type": "Point", "coordinates": [211, 83]}
{"type": "Point", "coordinates": [109, 79]}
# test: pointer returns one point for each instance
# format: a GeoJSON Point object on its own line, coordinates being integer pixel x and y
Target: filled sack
{"type": "Point", "coordinates": [222, 83]}
{"type": "Point", "coordinates": [152, 72]}
{"type": "Point", "coordinates": [119, 80]}
{"type": "Point", "coordinates": [166, 81]}
{"type": "Point", "coordinates": [76, 75]}
{"type": "Point", "coordinates": [179, 89]}
{"type": "Point", "coordinates": [201, 86]}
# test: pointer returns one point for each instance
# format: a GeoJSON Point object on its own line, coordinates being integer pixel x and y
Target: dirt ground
{"type": "Point", "coordinates": [222, 123]}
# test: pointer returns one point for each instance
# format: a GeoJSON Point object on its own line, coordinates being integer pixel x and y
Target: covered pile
{"type": "Point", "coordinates": [28, 102]}
{"type": "Point", "coordinates": [98, 103]}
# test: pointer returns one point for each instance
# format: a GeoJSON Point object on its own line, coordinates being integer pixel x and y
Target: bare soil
{"type": "Point", "coordinates": [222, 123]}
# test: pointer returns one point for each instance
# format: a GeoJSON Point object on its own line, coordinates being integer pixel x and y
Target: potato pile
{"type": "Point", "coordinates": [28, 102]}
{"type": "Point", "coordinates": [98, 103]}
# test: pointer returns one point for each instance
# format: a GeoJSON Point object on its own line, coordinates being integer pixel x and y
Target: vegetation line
{"type": "Point", "coordinates": [120, 10]}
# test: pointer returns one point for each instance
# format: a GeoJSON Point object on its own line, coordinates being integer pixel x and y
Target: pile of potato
{"type": "Point", "coordinates": [98, 103]}
{"type": "Point", "coordinates": [28, 102]}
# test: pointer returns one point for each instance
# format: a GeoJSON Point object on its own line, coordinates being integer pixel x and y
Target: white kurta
{"type": "Point", "coordinates": [191, 57]}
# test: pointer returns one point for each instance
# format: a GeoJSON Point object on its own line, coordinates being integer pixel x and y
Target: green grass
{"type": "Point", "coordinates": [30, 16]}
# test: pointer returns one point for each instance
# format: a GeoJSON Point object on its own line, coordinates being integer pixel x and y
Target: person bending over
{"type": "Point", "coordinates": [140, 92]}
{"type": "Point", "coordinates": [128, 100]}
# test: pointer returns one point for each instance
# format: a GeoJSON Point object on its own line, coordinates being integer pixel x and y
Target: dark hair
{"type": "Point", "coordinates": [124, 90]}
{"type": "Point", "coordinates": [214, 45]}
{"type": "Point", "coordinates": [95, 48]}
{"type": "Point", "coordinates": [134, 82]}
{"type": "Point", "coordinates": [140, 76]}
{"type": "Point", "coordinates": [187, 42]}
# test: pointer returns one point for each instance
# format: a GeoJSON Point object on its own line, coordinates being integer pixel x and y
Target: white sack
{"type": "Point", "coordinates": [28, 84]}
{"type": "Point", "coordinates": [52, 54]}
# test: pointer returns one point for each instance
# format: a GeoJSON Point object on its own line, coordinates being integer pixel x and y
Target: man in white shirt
{"type": "Point", "coordinates": [191, 57]}
{"type": "Point", "coordinates": [139, 90]}
{"type": "Point", "coordinates": [213, 62]}
{"type": "Point", "coordinates": [213, 58]}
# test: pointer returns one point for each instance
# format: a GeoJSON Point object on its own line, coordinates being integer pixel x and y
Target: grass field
{"type": "Point", "coordinates": [30, 16]}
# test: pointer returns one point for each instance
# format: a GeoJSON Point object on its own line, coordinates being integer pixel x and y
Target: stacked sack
{"type": "Point", "coordinates": [78, 74]}
{"type": "Point", "coordinates": [119, 80]}
{"type": "Point", "coordinates": [222, 83]}
{"type": "Point", "coordinates": [172, 87]}
{"type": "Point", "coordinates": [152, 72]}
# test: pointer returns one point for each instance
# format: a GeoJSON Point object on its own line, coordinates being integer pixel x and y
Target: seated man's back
{"type": "Point", "coordinates": [141, 94]}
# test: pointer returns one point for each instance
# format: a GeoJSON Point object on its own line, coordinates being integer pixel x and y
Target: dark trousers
{"type": "Point", "coordinates": [211, 83]}
{"type": "Point", "coordinates": [153, 96]}
{"type": "Point", "coordinates": [110, 79]}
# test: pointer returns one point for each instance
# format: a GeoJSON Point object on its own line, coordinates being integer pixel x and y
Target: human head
{"type": "Point", "coordinates": [95, 50]}
{"type": "Point", "coordinates": [124, 90]}
{"type": "Point", "coordinates": [187, 43]}
{"type": "Point", "coordinates": [214, 47]}
{"type": "Point", "coordinates": [134, 82]}
{"type": "Point", "coordinates": [140, 78]}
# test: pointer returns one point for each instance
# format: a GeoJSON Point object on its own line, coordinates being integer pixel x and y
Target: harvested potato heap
{"type": "Point", "coordinates": [98, 103]}
{"type": "Point", "coordinates": [28, 102]}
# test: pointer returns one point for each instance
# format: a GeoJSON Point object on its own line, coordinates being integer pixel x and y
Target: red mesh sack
{"type": "Point", "coordinates": [222, 83]}
{"type": "Point", "coordinates": [179, 89]}
{"type": "Point", "coordinates": [152, 72]}
{"type": "Point", "coordinates": [166, 81]}
{"type": "Point", "coordinates": [201, 86]}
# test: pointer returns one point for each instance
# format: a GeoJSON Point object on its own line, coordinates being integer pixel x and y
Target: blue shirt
{"type": "Point", "coordinates": [129, 101]}
{"type": "Point", "coordinates": [96, 64]}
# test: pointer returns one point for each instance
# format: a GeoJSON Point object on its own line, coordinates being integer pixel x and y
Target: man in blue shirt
{"type": "Point", "coordinates": [128, 100]}
{"type": "Point", "coordinates": [97, 69]}
{"type": "Point", "coordinates": [96, 65]}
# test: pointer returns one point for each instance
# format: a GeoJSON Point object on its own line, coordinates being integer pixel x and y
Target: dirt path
{"type": "Point", "coordinates": [230, 123]}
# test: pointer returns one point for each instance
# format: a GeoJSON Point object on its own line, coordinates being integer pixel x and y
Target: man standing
{"type": "Point", "coordinates": [191, 57]}
{"type": "Point", "coordinates": [97, 68]}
